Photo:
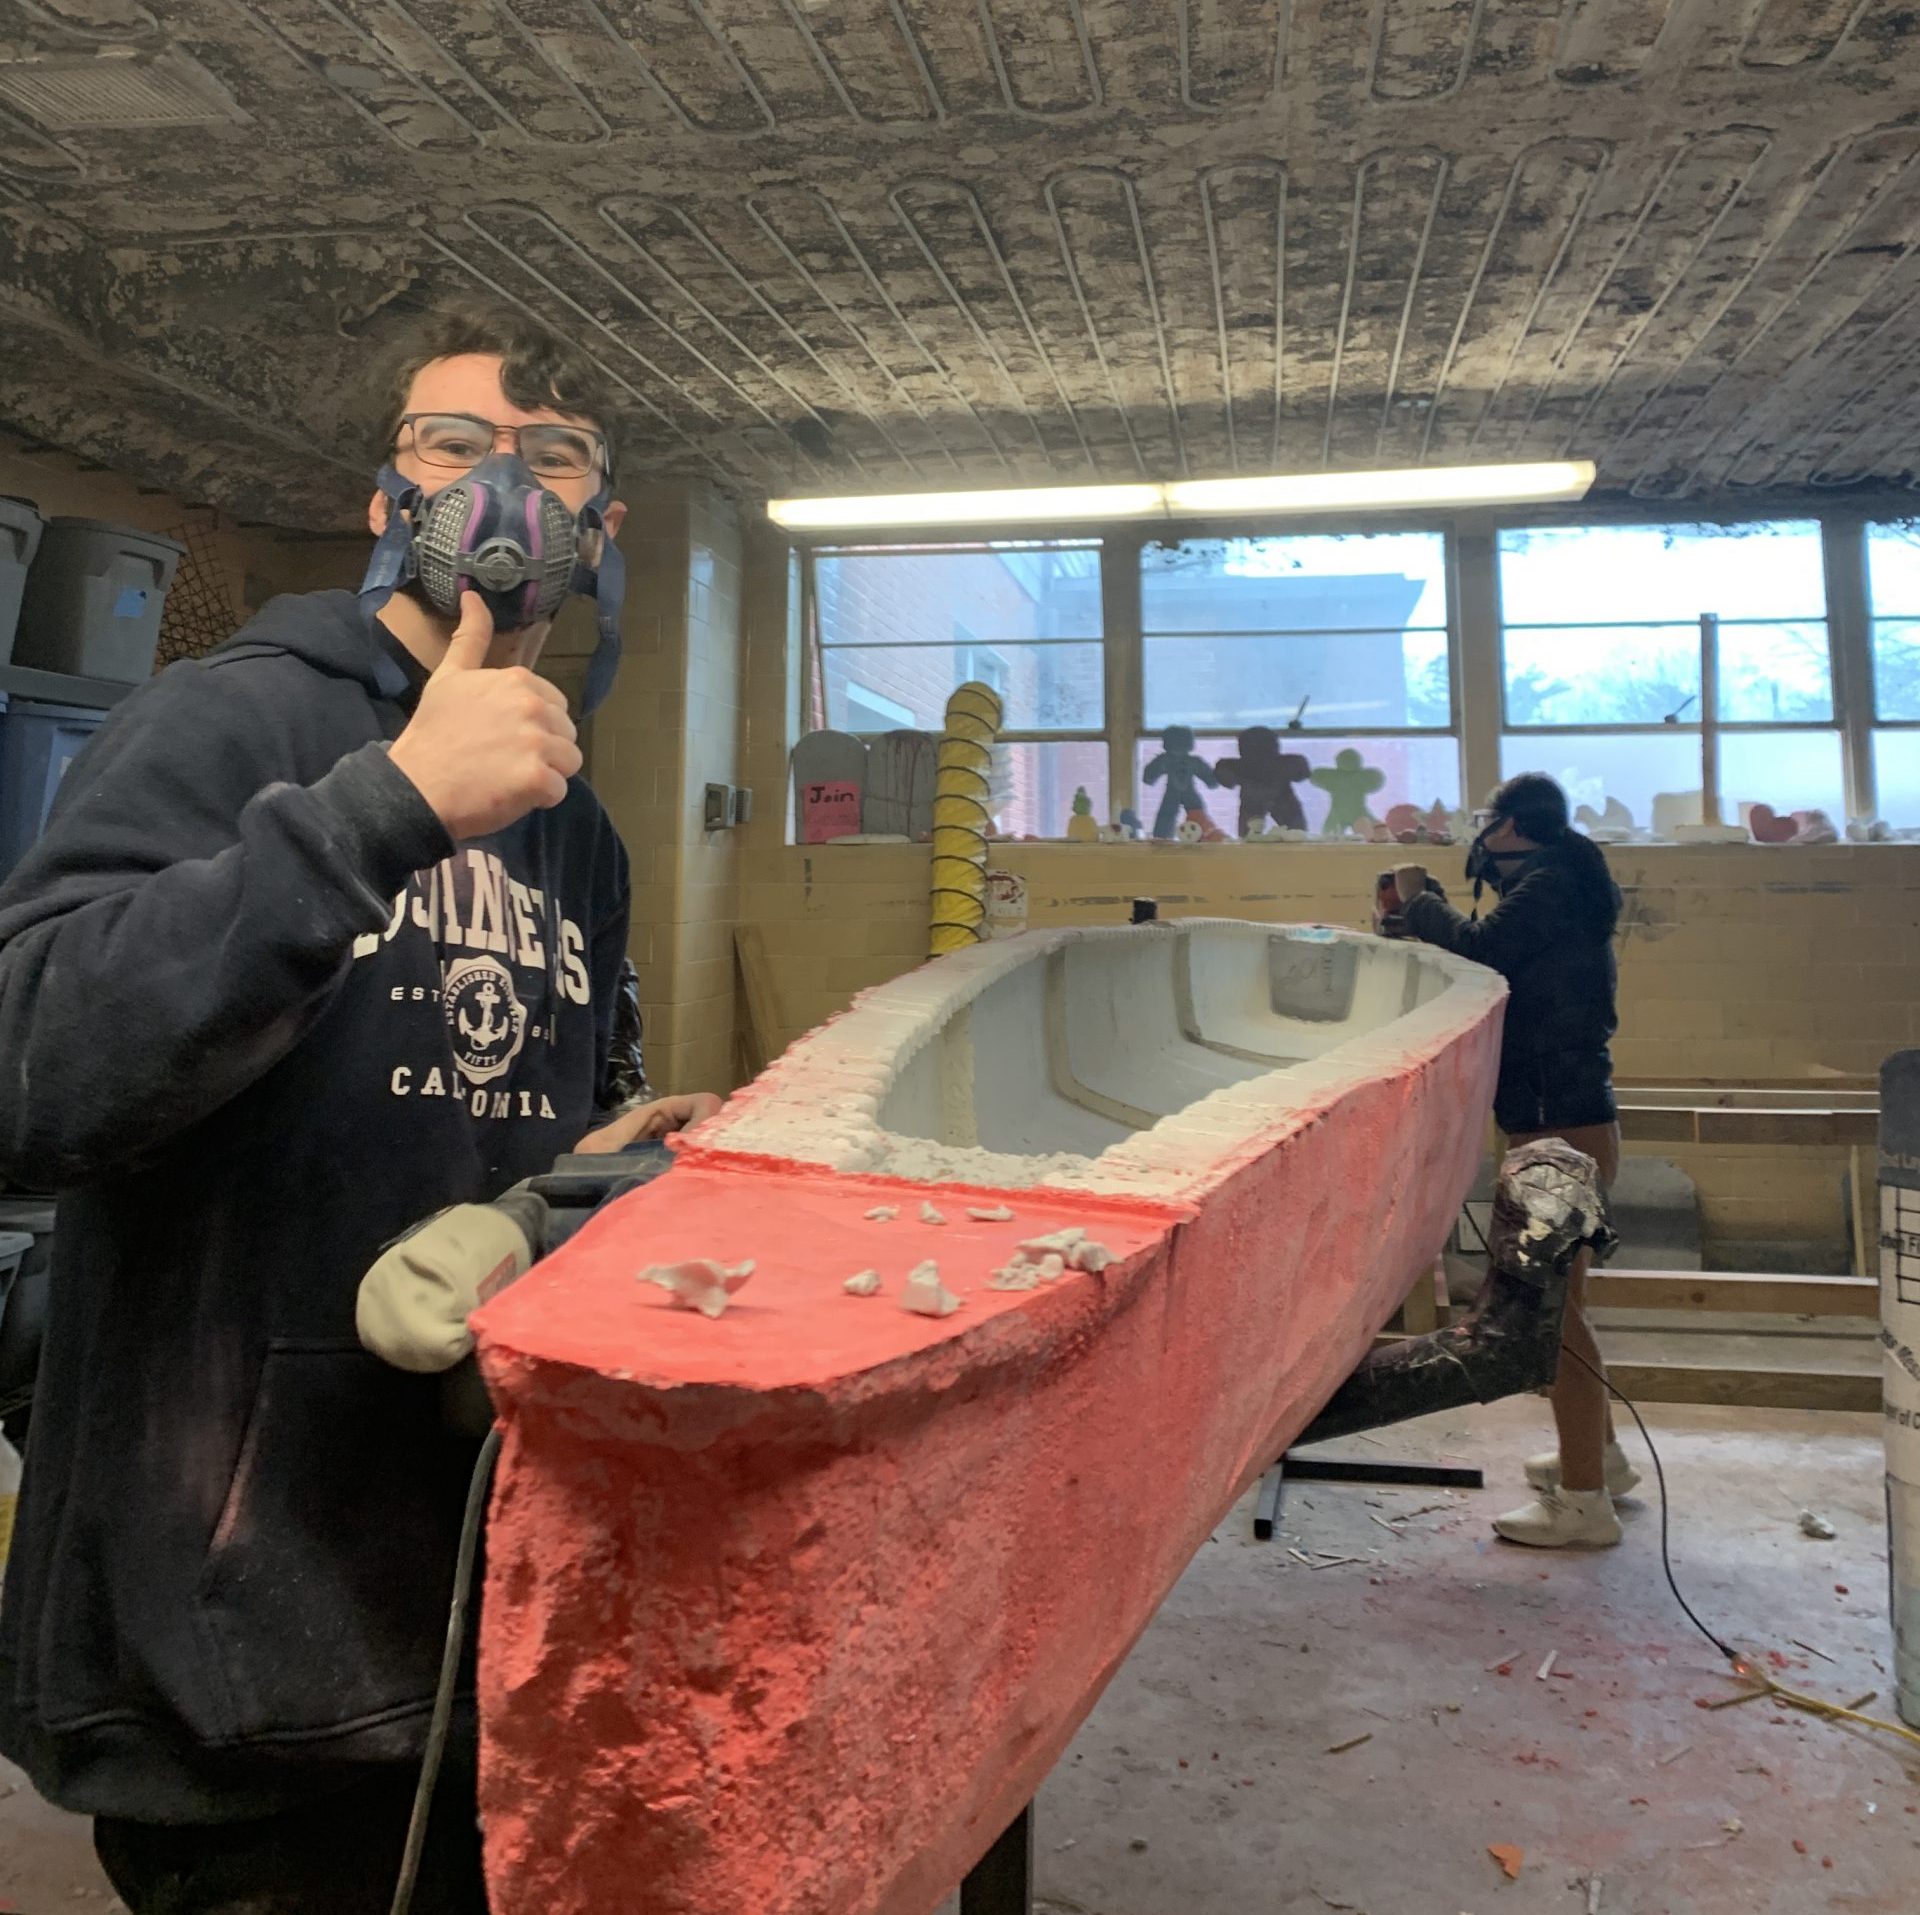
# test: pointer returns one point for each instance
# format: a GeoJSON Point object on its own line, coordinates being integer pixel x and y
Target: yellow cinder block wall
{"type": "Point", "coordinates": [672, 725]}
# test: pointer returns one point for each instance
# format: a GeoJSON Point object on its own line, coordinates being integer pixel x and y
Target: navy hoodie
{"type": "Point", "coordinates": [258, 1015]}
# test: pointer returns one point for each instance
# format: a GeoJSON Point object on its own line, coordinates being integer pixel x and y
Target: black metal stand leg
{"type": "Point", "coordinates": [1001, 1882]}
{"type": "Point", "coordinates": [1266, 1510]}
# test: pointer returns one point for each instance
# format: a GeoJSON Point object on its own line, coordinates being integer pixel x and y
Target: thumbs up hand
{"type": "Point", "coordinates": [486, 745]}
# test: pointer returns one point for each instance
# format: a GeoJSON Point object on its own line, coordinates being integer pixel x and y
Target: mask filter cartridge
{"type": "Point", "coordinates": [499, 532]}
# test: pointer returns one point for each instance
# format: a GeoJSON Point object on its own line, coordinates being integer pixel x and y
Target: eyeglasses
{"type": "Point", "coordinates": [457, 441]}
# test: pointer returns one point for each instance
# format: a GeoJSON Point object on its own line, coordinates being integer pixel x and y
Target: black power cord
{"type": "Point", "coordinates": [1660, 1475]}
{"type": "Point", "coordinates": [442, 1717]}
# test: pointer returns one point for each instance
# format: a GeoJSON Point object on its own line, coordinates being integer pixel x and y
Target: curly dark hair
{"type": "Point", "coordinates": [537, 368]}
{"type": "Point", "coordinates": [1535, 804]}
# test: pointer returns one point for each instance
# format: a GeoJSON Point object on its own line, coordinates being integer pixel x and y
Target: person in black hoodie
{"type": "Point", "coordinates": [324, 934]}
{"type": "Point", "coordinates": [1551, 937]}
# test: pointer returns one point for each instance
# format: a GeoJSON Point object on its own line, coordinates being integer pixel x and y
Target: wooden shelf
{"type": "Point", "coordinates": [1727, 1290]}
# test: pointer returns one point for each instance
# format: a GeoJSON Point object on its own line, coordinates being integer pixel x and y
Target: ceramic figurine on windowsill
{"type": "Point", "coordinates": [1081, 828]}
{"type": "Point", "coordinates": [1185, 771]}
{"type": "Point", "coordinates": [1348, 782]}
{"type": "Point", "coordinates": [1266, 777]}
{"type": "Point", "coordinates": [1612, 825]}
{"type": "Point", "coordinates": [1408, 824]}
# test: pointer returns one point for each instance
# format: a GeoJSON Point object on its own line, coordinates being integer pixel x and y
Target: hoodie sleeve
{"type": "Point", "coordinates": [1526, 920]}
{"type": "Point", "coordinates": [184, 921]}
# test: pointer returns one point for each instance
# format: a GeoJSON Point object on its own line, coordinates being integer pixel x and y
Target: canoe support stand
{"type": "Point", "coordinates": [1001, 1882]}
{"type": "Point", "coordinates": [1295, 1468]}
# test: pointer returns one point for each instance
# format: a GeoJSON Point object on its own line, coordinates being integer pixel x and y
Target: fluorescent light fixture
{"type": "Point", "coordinates": [1280, 493]}
{"type": "Point", "coordinates": [1378, 491]}
{"type": "Point", "coordinates": [1021, 503]}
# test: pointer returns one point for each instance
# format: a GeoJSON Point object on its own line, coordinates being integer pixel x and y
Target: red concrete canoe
{"type": "Point", "coordinates": [789, 1612]}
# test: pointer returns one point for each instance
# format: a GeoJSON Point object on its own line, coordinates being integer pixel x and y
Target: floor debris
{"type": "Point", "coordinates": [1352, 1742]}
{"type": "Point", "coordinates": [1546, 1668]}
{"type": "Point", "coordinates": [1817, 1527]}
{"type": "Point", "coordinates": [1509, 1857]}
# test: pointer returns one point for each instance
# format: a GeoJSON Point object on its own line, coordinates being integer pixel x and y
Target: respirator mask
{"type": "Point", "coordinates": [1485, 866]}
{"type": "Point", "coordinates": [498, 531]}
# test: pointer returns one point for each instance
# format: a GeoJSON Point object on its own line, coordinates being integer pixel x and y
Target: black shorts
{"type": "Point", "coordinates": [1557, 1090]}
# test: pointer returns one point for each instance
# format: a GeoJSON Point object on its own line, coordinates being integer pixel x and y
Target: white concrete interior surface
{"type": "Point", "coordinates": [1097, 1039]}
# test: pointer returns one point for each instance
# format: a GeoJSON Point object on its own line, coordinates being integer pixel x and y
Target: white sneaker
{"type": "Point", "coordinates": [1580, 1518]}
{"type": "Point", "coordinates": [1620, 1476]}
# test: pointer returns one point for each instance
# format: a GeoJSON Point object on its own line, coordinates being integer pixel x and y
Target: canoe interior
{"type": "Point", "coordinates": [1095, 1041]}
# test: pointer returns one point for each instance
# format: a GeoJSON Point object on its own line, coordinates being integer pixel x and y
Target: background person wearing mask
{"type": "Point", "coordinates": [1551, 937]}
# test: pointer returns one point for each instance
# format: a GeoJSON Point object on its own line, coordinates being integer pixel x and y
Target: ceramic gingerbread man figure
{"type": "Point", "coordinates": [1348, 783]}
{"type": "Point", "coordinates": [1266, 777]}
{"type": "Point", "coordinates": [1185, 771]}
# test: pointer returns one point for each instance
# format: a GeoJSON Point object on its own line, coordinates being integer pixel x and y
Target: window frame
{"type": "Point", "coordinates": [1475, 628]}
{"type": "Point", "coordinates": [1707, 753]}
{"type": "Point", "coordinates": [810, 551]}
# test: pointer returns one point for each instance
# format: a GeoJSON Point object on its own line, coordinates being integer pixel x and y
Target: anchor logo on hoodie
{"type": "Point", "coordinates": [486, 1021]}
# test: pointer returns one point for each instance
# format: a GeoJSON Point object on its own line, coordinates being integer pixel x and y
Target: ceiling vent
{"type": "Point", "coordinates": [110, 91]}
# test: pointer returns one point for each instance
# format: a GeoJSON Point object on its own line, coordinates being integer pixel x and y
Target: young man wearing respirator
{"type": "Point", "coordinates": [325, 935]}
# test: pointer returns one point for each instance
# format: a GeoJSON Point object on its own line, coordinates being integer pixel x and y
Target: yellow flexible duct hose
{"type": "Point", "coordinates": [960, 795]}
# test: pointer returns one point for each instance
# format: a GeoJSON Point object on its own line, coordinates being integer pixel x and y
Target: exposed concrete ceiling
{"type": "Point", "coordinates": [846, 244]}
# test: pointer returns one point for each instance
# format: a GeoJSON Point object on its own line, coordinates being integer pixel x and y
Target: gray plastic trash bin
{"type": "Point", "coordinates": [94, 598]}
{"type": "Point", "coordinates": [37, 744]}
{"type": "Point", "coordinates": [20, 528]}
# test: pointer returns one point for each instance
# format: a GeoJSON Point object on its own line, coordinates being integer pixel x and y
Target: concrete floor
{"type": "Point", "coordinates": [1204, 1782]}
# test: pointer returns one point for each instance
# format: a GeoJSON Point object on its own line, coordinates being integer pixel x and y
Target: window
{"type": "Point", "coordinates": [1347, 632]}
{"type": "Point", "coordinates": [1343, 645]}
{"type": "Point", "coordinates": [1604, 657]}
{"type": "Point", "coordinates": [1893, 574]}
{"type": "Point", "coordinates": [901, 627]}
{"type": "Point", "coordinates": [1337, 641]}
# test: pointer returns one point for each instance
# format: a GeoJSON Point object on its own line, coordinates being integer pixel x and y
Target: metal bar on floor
{"type": "Point", "coordinates": [1294, 1468]}
{"type": "Point", "coordinates": [1001, 1882]}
